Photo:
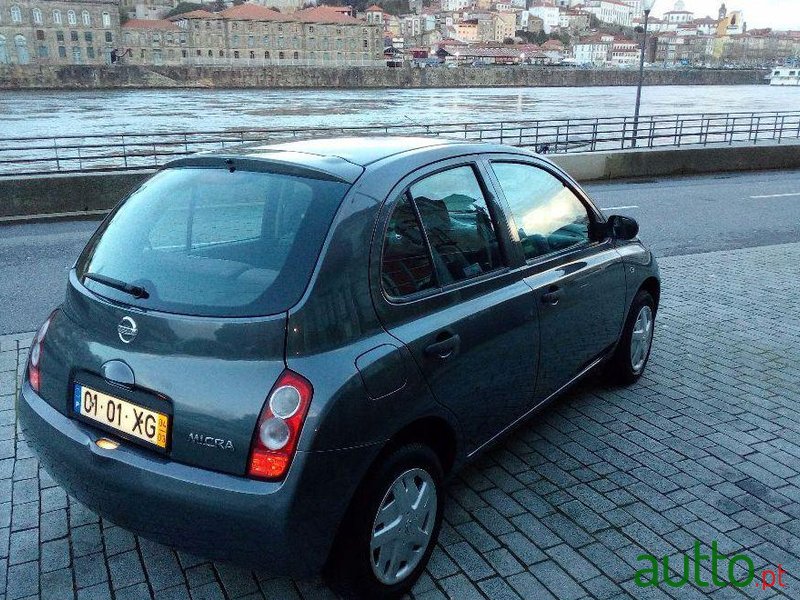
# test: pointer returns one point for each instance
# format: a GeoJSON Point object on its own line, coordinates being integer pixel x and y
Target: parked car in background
{"type": "Point", "coordinates": [276, 355]}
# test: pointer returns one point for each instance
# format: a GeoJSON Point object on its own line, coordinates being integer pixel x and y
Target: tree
{"type": "Point", "coordinates": [184, 7]}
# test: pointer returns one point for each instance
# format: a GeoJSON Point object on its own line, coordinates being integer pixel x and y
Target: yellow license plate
{"type": "Point", "coordinates": [118, 414]}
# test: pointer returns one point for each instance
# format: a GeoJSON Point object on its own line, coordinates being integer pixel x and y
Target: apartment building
{"type": "Point", "coordinates": [58, 32]}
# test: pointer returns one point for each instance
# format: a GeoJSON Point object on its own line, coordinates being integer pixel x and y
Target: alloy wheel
{"type": "Point", "coordinates": [641, 338]}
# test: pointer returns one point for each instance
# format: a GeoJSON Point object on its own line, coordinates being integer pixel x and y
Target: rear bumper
{"type": "Point", "coordinates": [285, 528]}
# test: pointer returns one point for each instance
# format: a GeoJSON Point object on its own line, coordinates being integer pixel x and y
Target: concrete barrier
{"type": "Point", "coordinates": [86, 194]}
{"type": "Point", "coordinates": [593, 166]}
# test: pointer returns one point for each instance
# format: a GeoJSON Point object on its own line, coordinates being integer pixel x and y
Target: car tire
{"type": "Point", "coordinates": [633, 350]}
{"type": "Point", "coordinates": [359, 566]}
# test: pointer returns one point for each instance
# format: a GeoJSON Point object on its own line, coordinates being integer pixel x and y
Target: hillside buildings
{"type": "Point", "coordinates": [582, 33]}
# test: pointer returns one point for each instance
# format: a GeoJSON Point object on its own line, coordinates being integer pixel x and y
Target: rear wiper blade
{"type": "Point", "coordinates": [134, 290]}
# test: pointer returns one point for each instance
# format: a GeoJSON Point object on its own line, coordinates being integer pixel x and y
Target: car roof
{"type": "Point", "coordinates": [344, 158]}
{"type": "Point", "coordinates": [363, 150]}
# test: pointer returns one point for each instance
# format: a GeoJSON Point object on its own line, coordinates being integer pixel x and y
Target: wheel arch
{"type": "Point", "coordinates": [653, 286]}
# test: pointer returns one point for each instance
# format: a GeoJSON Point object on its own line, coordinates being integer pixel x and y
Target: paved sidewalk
{"type": "Point", "coordinates": [705, 447]}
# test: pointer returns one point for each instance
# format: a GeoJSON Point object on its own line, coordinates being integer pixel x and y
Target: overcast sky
{"type": "Point", "coordinates": [778, 14]}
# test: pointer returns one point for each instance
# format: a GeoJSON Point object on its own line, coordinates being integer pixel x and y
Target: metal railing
{"type": "Point", "coordinates": [125, 151]}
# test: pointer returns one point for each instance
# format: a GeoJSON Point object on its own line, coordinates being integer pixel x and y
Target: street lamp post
{"type": "Point", "coordinates": [648, 6]}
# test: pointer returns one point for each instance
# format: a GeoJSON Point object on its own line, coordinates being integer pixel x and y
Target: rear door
{"type": "Point", "coordinates": [445, 286]}
{"type": "Point", "coordinates": [578, 279]}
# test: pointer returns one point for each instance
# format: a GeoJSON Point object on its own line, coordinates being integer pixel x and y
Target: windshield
{"type": "Point", "coordinates": [206, 241]}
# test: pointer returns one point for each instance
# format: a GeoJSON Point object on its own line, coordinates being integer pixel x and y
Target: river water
{"type": "Point", "coordinates": [53, 113]}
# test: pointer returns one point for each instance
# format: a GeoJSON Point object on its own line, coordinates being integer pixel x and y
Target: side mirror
{"type": "Point", "coordinates": [622, 228]}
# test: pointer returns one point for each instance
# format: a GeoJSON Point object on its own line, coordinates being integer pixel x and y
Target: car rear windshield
{"type": "Point", "coordinates": [213, 242]}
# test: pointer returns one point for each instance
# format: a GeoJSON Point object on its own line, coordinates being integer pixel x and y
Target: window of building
{"type": "Point", "coordinates": [62, 52]}
{"type": "Point", "coordinates": [87, 35]}
{"type": "Point", "coordinates": [456, 219]}
{"type": "Point", "coordinates": [16, 14]}
{"type": "Point", "coordinates": [406, 265]}
{"type": "Point", "coordinates": [87, 18]}
{"type": "Point", "coordinates": [210, 54]}
{"type": "Point", "coordinates": [252, 53]}
{"type": "Point", "coordinates": [73, 36]}
{"type": "Point", "coordinates": [170, 39]}
{"type": "Point", "coordinates": [198, 52]}
{"type": "Point", "coordinates": [40, 34]}
{"type": "Point", "coordinates": [184, 53]}
{"type": "Point", "coordinates": [57, 17]}
{"type": "Point", "coordinates": [366, 44]}
{"type": "Point", "coordinates": [340, 44]}
{"type": "Point", "coordinates": [222, 53]}
{"type": "Point", "coordinates": [295, 42]}
{"type": "Point", "coordinates": [90, 52]}
{"type": "Point", "coordinates": [281, 56]}
{"type": "Point", "coordinates": [143, 53]}
{"type": "Point", "coordinates": [311, 29]}
{"type": "Point", "coordinates": [60, 36]}
{"type": "Point", "coordinates": [37, 16]}
{"type": "Point", "coordinates": [280, 41]}
{"type": "Point", "coordinates": [42, 51]}
{"type": "Point", "coordinates": [235, 54]}
{"type": "Point", "coordinates": [266, 54]}
{"type": "Point", "coordinates": [235, 41]}
{"type": "Point", "coordinates": [4, 60]}
{"type": "Point", "coordinates": [548, 215]}
{"type": "Point", "coordinates": [234, 26]}
{"type": "Point", "coordinates": [182, 38]}
{"type": "Point", "coordinates": [106, 20]}
{"type": "Point", "coordinates": [266, 40]}
{"type": "Point", "coordinates": [77, 55]}
{"type": "Point", "coordinates": [156, 38]}
{"type": "Point", "coordinates": [251, 41]}
{"type": "Point", "coordinates": [109, 37]}
{"type": "Point", "coordinates": [72, 19]}
{"type": "Point", "coordinates": [296, 55]}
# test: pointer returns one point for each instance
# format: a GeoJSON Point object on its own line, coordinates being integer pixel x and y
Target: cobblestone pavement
{"type": "Point", "coordinates": [705, 447]}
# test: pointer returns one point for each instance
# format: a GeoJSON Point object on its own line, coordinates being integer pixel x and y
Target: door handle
{"type": "Point", "coordinates": [552, 295]}
{"type": "Point", "coordinates": [446, 345]}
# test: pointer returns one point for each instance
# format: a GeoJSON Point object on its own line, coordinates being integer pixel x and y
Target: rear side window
{"type": "Point", "coordinates": [406, 266]}
{"type": "Point", "coordinates": [210, 242]}
{"type": "Point", "coordinates": [458, 225]}
{"type": "Point", "coordinates": [548, 215]}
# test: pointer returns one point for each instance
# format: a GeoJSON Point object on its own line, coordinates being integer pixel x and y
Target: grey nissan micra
{"type": "Point", "coordinates": [275, 355]}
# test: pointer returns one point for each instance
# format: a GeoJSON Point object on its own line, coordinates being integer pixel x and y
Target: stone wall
{"type": "Point", "coordinates": [132, 76]}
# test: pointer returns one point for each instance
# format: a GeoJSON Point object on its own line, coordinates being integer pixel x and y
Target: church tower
{"type": "Point", "coordinates": [723, 11]}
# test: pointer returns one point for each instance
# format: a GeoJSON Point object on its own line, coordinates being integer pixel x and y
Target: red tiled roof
{"type": "Point", "coordinates": [552, 45]}
{"type": "Point", "coordinates": [150, 24]}
{"type": "Point", "coordinates": [251, 12]}
{"type": "Point", "coordinates": [374, 8]}
{"type": "Point", "coordinates": [195, 14]}
{"type": "Point", "coordinates": [324, 14]}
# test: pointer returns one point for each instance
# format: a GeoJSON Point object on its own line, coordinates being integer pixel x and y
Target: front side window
{"type": "Point", "coordinates": [72, 19]}
{"type": "Point", "coordinates": [548, 215]}
{"type": "Point", "coordinates": [106, 20]}
{"type": "Point", "coordinates": [456, 219]}
{"type": "Point", "coordinates": [406, 266]}
{"type": "Point", "coordinates": [87, 18]}
{"type": "Point", "coordinates": [37, 16]}
{"type": "Point", "coordinates": [57, 17]}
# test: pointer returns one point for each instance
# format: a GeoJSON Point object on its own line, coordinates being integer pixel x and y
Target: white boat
{"type": "Point", "coordinates": [785, 76]}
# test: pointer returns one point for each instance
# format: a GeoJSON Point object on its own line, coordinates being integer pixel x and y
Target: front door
{"type": "Point", "coordinates": [578, 281]}
{"type": "Point", "coordinates": [448, 294]}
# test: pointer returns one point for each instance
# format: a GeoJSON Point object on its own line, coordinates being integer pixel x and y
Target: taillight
{"type": "Point", "coordinates": [279, 426]}
{"type": "Point", "coordinates": [35, 357]}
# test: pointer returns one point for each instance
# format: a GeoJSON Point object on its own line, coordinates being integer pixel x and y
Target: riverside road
{"type": "Point", "coordinates": [687, 215]}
